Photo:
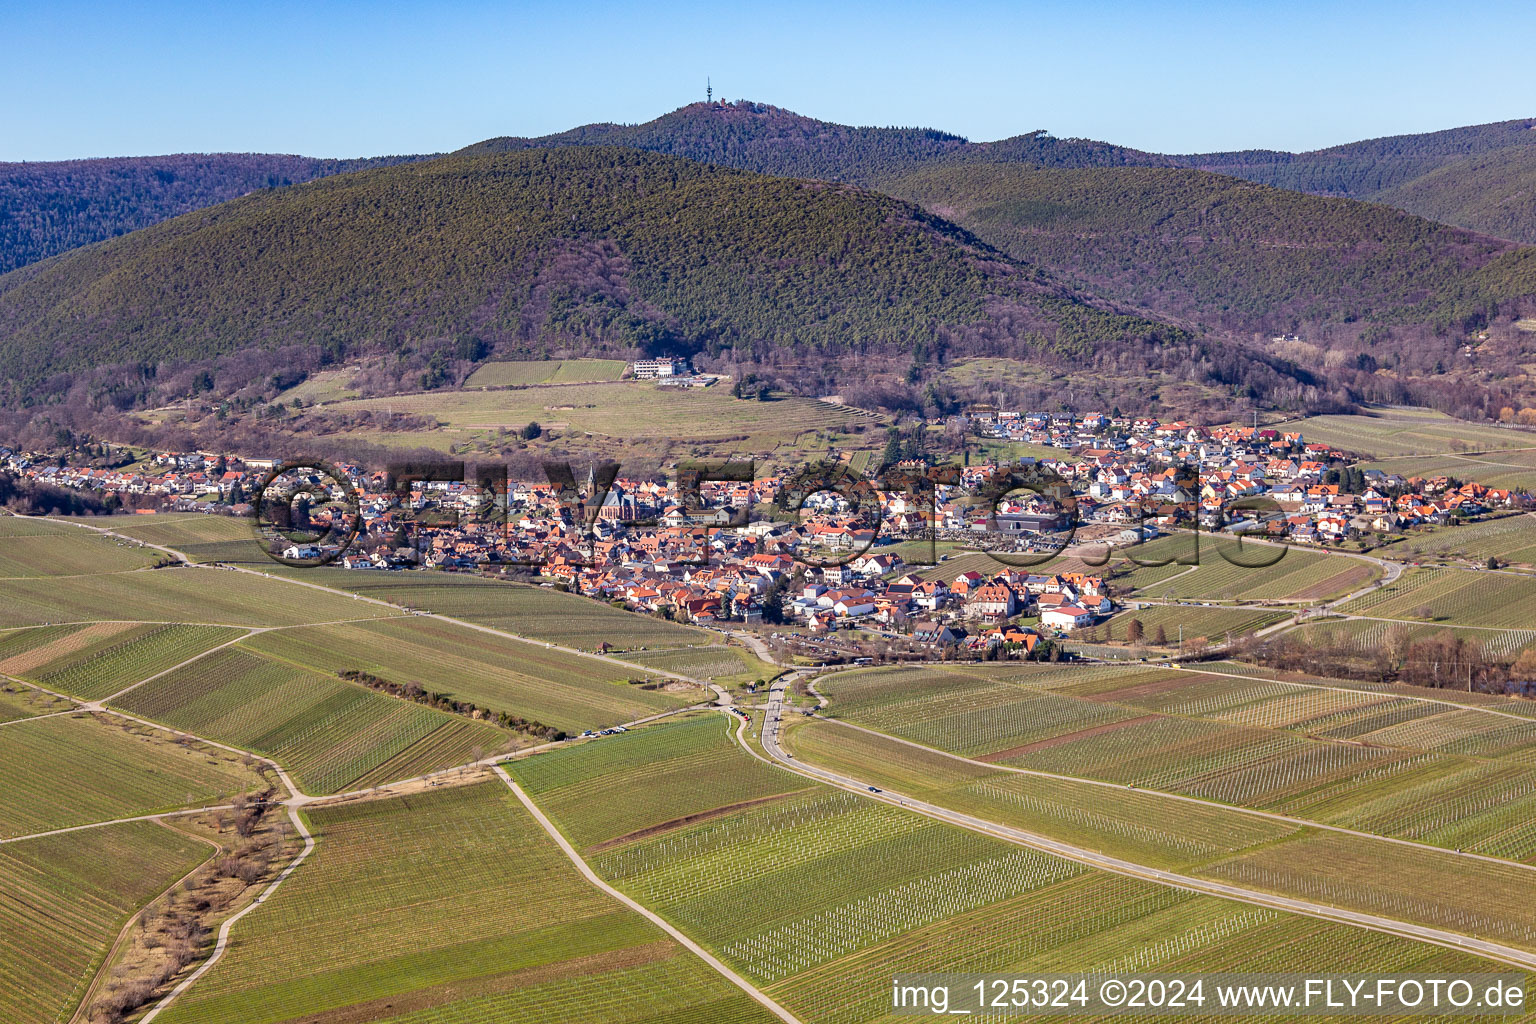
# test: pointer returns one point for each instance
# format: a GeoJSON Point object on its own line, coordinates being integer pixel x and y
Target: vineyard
{"type": "Point", "coordinates": [545, 371]}
{"type": "Point", "coordinates": [1511, 538]}
{"type": "Point", "coordinates": [1398, 431]}
{"type": "Point", "coordinates": [536, 612]}
{"type": "Point", "coordinates": [125, 658]}
{"type": "Point", "coordinates": [71, 770]}
{"type": "Point", "coordinates": [202, 538]}
{"type": "Point", "coordinates": [1456, 597]}
{"type": "Point", "coordinates": [1299, 575]}
{"type": "Point", "coordinates": [1215, 624]}
{"type": "Point", "coordinates": [554, 687]}
{"type": "Point", "coordinates": [192, 595]}
{"type": "Point", "coordinates": [724, 665]}
{"type": "Point", "coordinates": [451, 907]}
{"type": "Point", "coordinates": [604, 790]}
{"type": "Point", "coordinates": [51, 555]}
{"type": "Point", "coordinates": [327, 733]}
{"type": "Point", "coordinates": [66, 898]}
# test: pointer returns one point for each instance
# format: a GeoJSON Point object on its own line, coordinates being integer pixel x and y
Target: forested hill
{"type": "Point", "coordinates": [1481, 177]}
{"type": "Point", "coordinates": [47, 208]}
{"type": "Point", "coordinates": [771, 140]}
{"type": "Point", "coordinates": [593, 248]}
{"type": "Point", "coordinates": [1234, 255]}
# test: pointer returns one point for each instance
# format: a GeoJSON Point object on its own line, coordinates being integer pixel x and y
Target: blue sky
{"type": "Point", "coordinates": [350, 79]}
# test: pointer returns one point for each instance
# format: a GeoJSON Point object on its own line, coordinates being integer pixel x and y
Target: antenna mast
{"type": "Point", "coordinates": [709, 90]}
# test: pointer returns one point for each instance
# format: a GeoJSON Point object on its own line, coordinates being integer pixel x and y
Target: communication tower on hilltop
{"type": "Point", "coordinates": [709, 90]}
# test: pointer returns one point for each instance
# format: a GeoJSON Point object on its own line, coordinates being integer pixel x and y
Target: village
{"type": "Point", "coordinates": [731, 553]}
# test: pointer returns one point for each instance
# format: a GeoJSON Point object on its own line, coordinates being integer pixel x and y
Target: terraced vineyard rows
{"type": "Point", "coordinates": [329, 734]}
{"type": "Point", "coordinates": [1455, 597]}
{"type": "Point", "coordinates": [66, 897]}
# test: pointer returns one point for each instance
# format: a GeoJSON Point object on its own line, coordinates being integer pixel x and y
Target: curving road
{"type": "Point", "coordinates": [770, 740]}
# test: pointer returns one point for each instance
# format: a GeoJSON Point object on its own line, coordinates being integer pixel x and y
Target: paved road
{"type": "Point", "coordinates": [770, 740]}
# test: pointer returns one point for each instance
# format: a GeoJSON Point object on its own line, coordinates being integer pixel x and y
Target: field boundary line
{"type": "Point", "coordinates": [1253, 812]}
{"type": "Point", "coordinates": [656, 919]}
{"type": "Point", "coordinates": [229, 923]}
{"type": "Point", "coordinates": [1190, 883]}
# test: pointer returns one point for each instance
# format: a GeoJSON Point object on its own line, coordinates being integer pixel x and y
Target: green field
{"type": "Point", "coordinates": [603, 790]}
{"type": "Point", "coordinates": [628, 410]}
{"type": "Point", "coordinates": [537, 612]}
{"type": "Point", "coordinates": [546, 371]}
{"type": "Point", "coordinates": [1406, 431]}
{"type": "Point", "coordinates": [451, 907]}
{"type": "Point", "coordinates": [75, 769]}
{"type": "Point", "coordinates": [193, 595]}
{"type": "Point", "coordinates": [18, 702]}
{"type": "Point", "coordinates": [329, 734]}
{"type": "Point", "coordinates": [564, 690]}
{"type": "Point", "coordinates": [66, 898]}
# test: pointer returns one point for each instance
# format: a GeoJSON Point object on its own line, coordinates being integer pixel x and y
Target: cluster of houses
{"type": "Point", "coordinates": [731, 555]}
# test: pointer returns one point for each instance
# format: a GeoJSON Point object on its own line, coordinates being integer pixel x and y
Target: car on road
{"type": "Point", "coordinates": [874, 789]}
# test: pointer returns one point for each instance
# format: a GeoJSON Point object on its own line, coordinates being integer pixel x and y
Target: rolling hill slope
{"type": "Point", "coordinates": [48, 208]}
{"type": "Point", "coordinates": [596, 248]}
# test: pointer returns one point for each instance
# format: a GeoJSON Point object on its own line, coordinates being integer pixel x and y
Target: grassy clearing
{"type": "Point", "coordinates": [66, 898]}
{"type": "Point", "coordinates": [451, 907]}
{"type": "Point", "coordinates": [329, 734]}
{"type": "Point", "coordinates": [537, 612]}
{"type": "Point", "coordinates": [605, 789]}
{"type": "Point", "coordinates": [1403, 431]}
{"type": "Point", "coordinates": [546, 371]}
{"type": "Point", "coordinates": [76, 769]}
{"type": "Point", "coordinates": [126, 657]}
{"type": "Point", "coordinates": [550, 686]}
{"type": "Point", "coordinates": [627, 410]}
{"type": "Point", "coordinates": [18, 702]}
{"type": "Point", "coordinates": [190, 595]}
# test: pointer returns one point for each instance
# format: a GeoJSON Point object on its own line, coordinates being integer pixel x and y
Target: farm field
{"type": "Point", "coordinates": [66, 898]}
{"type": "Point", "coordinates": [540, 613]}
{"type": "Point", "coordinates": [124, 655]}
{"type": "Point", "coordinates": [1140, 826]}
{"type": "Point", "coordinates": [1510, 538]}
{"type": "Point", "coordinates": [894, 892]}
{"type": "Point", "coordinates": [623, 411]}
{"type": "Point", "coordinates": [202, 538]}
{"type": "Point", "coordinates": [1301, 576]}
{"type": "Point", "coordinates": [28, 551]}
{"type": "Point", "coordinates": [501, 928]}
{"type": "Point", "coordinates": [605, 789]}
{"type": "Point", "coordinates": [329, 734]}
{"type": "Point", "coordinates": [1368, 635]}
{"type": "Point", "coordinates": [76, 769]}
{"type": "Point", "coordinates": [1406, 431]}
{"type": "Point", "coordinates": [189, 595]}
{"type": "Point", "coordinates": [18, 702]}
{"type": "Point", "coordinates": [1453, 596]}
{"type": "Point", "coordinates": [1212, 623]}
{"type": "Point", "coordinates": [723, 665]}
{"type": "Point", "coordinates": [564, 690]}
{"type": "Point", "coordinates": [1418, 885]}
{"type": "Point", "coordinates": [524, 372]}
{"type": "Point", "coordinates": [1511, 468]}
